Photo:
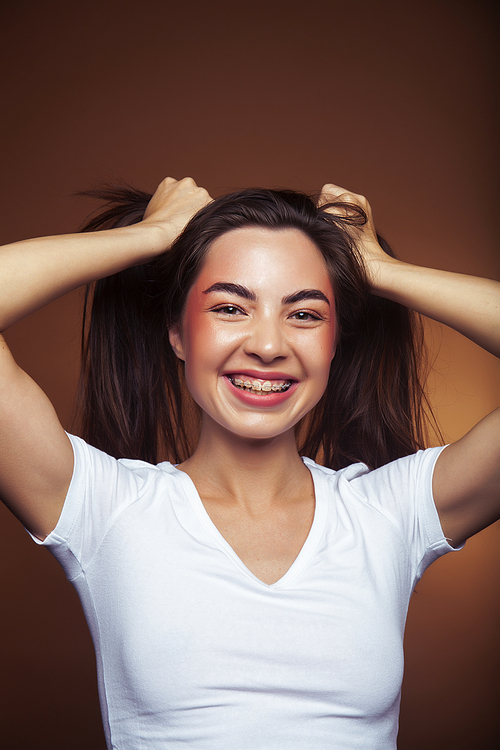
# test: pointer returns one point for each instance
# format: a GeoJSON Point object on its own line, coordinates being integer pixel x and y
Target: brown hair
{"type": "Point", "coordinates": [133, 401]}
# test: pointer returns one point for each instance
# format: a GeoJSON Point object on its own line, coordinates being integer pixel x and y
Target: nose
{"type": "Point", "coordinates": [267, 339]}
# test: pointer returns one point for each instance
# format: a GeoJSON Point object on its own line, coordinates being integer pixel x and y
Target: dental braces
{"type": "Point", "coordinates": [256, 386]}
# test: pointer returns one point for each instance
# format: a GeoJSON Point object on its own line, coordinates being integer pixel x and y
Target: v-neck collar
{"type": "Point", "coordinates": [308, 548]}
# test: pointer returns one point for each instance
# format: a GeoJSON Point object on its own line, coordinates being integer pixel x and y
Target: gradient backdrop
{"type": "Point", "coordinates": [392, 99]}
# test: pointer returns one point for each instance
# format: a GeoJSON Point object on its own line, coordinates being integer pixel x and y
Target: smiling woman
{"type": "Point", "coordinates": [246, 329]}
{"type": "Point", "coordinates": [378, 346]}
{"type": "Point", "coordinates": [246, 597]}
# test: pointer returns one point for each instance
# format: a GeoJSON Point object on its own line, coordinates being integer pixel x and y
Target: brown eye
{"type": "Point", "coordinates": [228, 309]}
{"type": "Point", "coordinates": [305, 316]}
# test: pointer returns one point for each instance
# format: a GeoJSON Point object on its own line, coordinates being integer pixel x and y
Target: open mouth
{"type": "Point", "coordinates": [261, 387]}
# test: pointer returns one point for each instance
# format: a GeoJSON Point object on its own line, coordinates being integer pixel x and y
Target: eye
{"type": "Point", "coordinates": [230, 310]}
{"type": "Point", "coordinates": [305, 316]}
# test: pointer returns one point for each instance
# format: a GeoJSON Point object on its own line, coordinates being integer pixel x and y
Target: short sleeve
{"type": "Point", "coordinates": [101, 488]}
{"type": "Point", "coordinates": [402, 491]}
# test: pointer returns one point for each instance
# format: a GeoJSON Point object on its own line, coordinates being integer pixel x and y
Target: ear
{"type": "Point", "coordinates": [175, 338]}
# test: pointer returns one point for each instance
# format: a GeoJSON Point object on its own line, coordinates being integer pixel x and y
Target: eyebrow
{"type": "Point", "coordinates": [303, 294]}
{"type": "Point", "coordinates": [229, 288]}
{"type": "Point", "coordinates": [242, 291]}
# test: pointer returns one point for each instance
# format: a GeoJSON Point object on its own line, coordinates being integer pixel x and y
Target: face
{"type": "Point", "coordinates": [258, 332]}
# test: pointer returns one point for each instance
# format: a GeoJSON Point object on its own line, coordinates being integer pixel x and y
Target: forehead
{"type": "Point", "coordinates": [260, 258]}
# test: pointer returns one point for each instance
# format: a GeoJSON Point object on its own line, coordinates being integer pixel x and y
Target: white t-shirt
{"type": "Point", "coordinates": [192, 649]}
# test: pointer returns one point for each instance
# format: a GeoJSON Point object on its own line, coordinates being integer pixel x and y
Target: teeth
{"type": "Point", "coordinates": [257, 387]}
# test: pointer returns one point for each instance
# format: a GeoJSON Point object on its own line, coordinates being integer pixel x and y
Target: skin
{"type": "Point", "coordinates": [222, 332]}
{"type": "Point", "coordinates": [466, 480]}
{"type": "Point", "coordinates": [258, 492]}
{"type": "Point", "coordinates": [36, 458]}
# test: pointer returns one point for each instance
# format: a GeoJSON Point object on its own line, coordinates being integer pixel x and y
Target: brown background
{"type": "Point", "coordinates": [392, 99]}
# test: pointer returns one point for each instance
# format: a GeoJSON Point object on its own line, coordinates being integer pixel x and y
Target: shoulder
{"type": "Point", "coordinates": [412, 468]}
{"type": "Point", "coordinates": [393, 499]}
{"type": "Point", "coordinates": [105, 485]}
{"type": "Point", "coordinates": [102, 489]}
{"type": "Point", "coordinates": [401, 490]}
{"type": "Point", "coordinates": [90, 459]}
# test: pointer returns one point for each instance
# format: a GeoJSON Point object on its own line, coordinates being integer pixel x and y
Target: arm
{"type": "Point", "coordinates": [466, 481]}
{"type": "Point", "coordinates": [469, 304]}
{"type": "Point", "coordinates": [35, 272]}
{"type": "Point", "coordinates": [36, 459]}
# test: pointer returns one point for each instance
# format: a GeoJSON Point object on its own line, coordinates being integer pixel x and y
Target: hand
{"type": "Point", "coordinates": [364, 235]}
{"type": "Point", "coordinates": [174, 203]}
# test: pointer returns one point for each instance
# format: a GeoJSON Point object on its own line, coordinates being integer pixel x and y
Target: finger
{"type": "Point", "coordinates": [331, 192]}
{"type": "Point", "coordinates": [188, 182]}
{"type": "Point", "coordinates": [205, 195]}
{"type": "Point", "coordinates": [167, 181]}
{"type": "Point", "coordinates": [332, 189]}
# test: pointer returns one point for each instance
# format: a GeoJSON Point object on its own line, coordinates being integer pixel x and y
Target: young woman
{"type": "Point", "coordinates": [246, 597]}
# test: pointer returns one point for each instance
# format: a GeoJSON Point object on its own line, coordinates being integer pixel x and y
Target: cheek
{"type": "Point", "coordinates": [203, 341]}
{"type": "Point", "coordinates": [206, 345]}
{"type": "Point", "coordinates": [327, 344]}
{"type": "Point", "coordinates": [322, 355]}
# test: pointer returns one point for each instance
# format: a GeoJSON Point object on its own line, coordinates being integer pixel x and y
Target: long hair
{"type": "Point", "coordinates": [132, 397]}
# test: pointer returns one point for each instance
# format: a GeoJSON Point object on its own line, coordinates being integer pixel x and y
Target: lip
{"type": "Point", "coordinates": [273, 398]}
{"type": "Point", "coordinates": [270, 375]}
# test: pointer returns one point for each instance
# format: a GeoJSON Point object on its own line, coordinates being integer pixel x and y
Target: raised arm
{"type": "Point", "coordinates": [35, 272]}
{"type": "Point", "coordinates": [36, 459]}
{"type": "Point", "coordinates": [466, 481]}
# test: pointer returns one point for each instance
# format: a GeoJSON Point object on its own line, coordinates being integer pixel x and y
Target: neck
{"type": "Point", "coordinates": [248, 472]}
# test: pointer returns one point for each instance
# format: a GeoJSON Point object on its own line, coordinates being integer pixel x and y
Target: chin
{"type": "Point", "coordinates": [255, 432]}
